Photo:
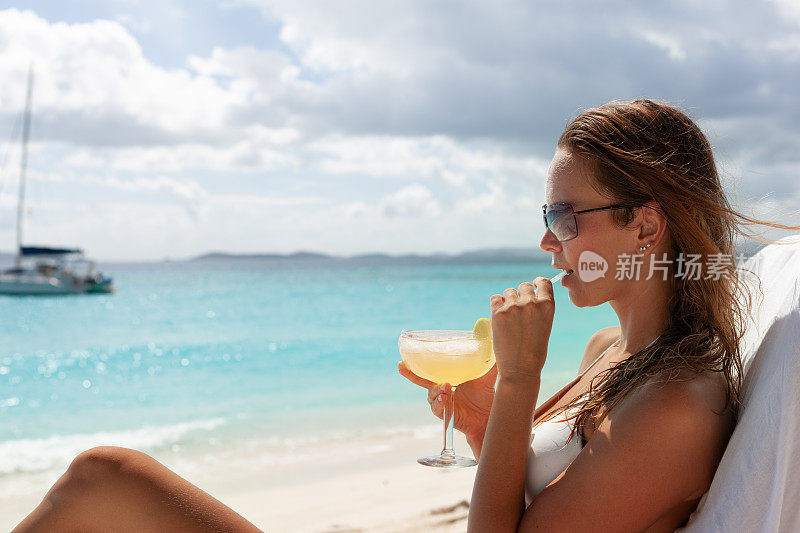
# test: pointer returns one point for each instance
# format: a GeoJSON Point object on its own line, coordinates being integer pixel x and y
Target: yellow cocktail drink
{"type": "Point", "coordinates": [447, 357]}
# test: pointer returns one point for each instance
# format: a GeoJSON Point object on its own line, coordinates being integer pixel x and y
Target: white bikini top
{"type": "Point", "coordinates": [550, 453]}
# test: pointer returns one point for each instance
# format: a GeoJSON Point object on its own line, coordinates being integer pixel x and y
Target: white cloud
{"type": "Point", "coordinates": [411, 201]}
{"type": "Point", "coordinates": [134, 23]}
{"type": "Point", "coordinates": [667, 43]}
{"type": "Point", "coordinates": [789, 9]}
{"type": "Point", "coordinates": [373, 119]}
{"type": "Point", "coordinates": [187, 191]}
{"type": "Point", "coordinates": [93, 78]}
{"type": "Point", "coordinates": [241, 155]}
{"type": "Point", "coordinates": [437, 158]}
{"type": "Point", "coordinates": [269, 68]}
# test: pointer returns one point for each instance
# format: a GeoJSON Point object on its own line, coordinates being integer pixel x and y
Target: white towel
{"type": "Point", "coordinates": [757, 485]}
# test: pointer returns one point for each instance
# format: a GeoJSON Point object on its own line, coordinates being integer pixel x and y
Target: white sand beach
{"type": "Point", "coordinates": [375, 485]}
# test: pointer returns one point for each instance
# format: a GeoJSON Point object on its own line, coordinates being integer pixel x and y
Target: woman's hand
{"type": "Point", "coordinates": [472, 401]}
{"type": "Point", "coordinates": [521, 323]}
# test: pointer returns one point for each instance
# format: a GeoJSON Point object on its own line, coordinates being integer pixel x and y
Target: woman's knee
{"type": "Point", "coordinates": [91, 477]}
{"type": "Point", "coordinates": [102, 464]}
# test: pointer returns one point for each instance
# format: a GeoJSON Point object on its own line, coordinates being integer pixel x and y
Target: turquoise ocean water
{"type": "Point", "coordinates": [222, 355]}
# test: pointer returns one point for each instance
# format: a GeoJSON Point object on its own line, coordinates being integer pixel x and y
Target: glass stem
{"type": "Point", "coordinates": [449, 403]}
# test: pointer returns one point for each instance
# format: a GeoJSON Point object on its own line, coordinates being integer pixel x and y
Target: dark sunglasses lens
{"type": "Point", "coordinates": [561, 222]}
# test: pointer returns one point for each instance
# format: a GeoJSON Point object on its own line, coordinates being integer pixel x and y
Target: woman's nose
{"type": "Point", "coordinates": [549, 243]}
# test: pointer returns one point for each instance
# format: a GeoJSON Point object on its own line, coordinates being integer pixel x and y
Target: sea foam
{"type": "Point", "coordinates": [35, 455]}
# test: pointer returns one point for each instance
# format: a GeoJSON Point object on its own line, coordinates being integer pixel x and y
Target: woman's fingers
{"type": "Point", "coordinates": [437, 408]}
{"type": "Point", "coordinates": [436, 398]}
{"type": "Point", "coordinates": [412, 377]}
{"type": "Point", "coordinates": [526, 291]}
{"type": "Point", "coordinates": [496, 302]}
{"type": "Point", "coordinates": [436, 392]}
{"type": "Point", "coordinates": [544, 289]}
{"type": "Point", "coordinates": [511, 296]}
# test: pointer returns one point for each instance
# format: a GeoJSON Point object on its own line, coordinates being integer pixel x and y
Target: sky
{"type": "Point", "coordinates": [171, 128]}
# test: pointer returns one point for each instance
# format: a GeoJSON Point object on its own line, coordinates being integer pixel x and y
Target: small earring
{"type": "Point", "coordinates": [643, 248]}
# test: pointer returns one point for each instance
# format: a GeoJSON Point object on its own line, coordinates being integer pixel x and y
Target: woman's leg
{"type": "Point", "coordinates": [117, 489]}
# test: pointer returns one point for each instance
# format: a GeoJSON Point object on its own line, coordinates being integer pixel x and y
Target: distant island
{"type": "Point", "coordinates": [489, 255]}
{"type": "Point", "coordinates": [481, 256]}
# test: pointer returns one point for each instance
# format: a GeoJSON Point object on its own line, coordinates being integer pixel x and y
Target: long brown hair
{"type": "Point", "coordinates": [644, 150]}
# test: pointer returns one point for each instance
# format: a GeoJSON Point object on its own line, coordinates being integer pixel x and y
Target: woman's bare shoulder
{"type": "Point", "coordinates": [597, 343]}
{"type": "Point", "coordinates": [698, 402]}
{"type": "Point", "coordinates": [681, 419]}
{"type": "Point", "coordinates": [705, 391]}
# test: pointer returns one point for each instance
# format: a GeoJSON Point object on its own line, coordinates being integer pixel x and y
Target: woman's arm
{"type": "Point", "coordinates": [521, 324]}
{"type": "Point", "coordinates": [498, 496]}
{"type": "Point", "coordinates": [598, 342]}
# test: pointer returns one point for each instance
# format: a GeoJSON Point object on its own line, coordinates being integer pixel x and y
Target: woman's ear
{"type": "Point", "coordinates": [653, 225]}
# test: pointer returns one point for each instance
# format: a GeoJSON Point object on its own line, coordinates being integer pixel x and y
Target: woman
{"type": "Point", "coordinates": [647, 420]}
{"type": "Point", "coordinates": [641, 430]}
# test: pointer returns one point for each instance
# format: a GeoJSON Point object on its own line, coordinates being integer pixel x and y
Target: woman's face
{"type": "Point", "coordinates": [599, 241]}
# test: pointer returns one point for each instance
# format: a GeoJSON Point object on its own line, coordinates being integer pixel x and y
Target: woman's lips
{"type": "Point", "coordinates": [568, 272]}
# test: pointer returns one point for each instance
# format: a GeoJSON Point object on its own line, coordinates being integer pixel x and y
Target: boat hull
{"type": "Point", "coordinates": [35, 289]}
{"type": "Point", "coordinates": [101, 287]}
{"type": "Point", "coordinates": [26, 285]}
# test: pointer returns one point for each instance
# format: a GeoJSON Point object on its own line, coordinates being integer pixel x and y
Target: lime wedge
{"type": "Point", "coordinates": [482, 329]}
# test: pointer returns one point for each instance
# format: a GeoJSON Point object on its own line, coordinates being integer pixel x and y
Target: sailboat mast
{"type": "Point", "coordinates": [26, 126]}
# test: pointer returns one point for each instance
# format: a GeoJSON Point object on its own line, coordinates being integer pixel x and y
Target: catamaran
{"type": "Point", "coordinates": [40, 270]}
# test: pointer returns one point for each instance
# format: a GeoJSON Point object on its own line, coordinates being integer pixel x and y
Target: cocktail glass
{"type": "Point", "coordinates": [446, 357]}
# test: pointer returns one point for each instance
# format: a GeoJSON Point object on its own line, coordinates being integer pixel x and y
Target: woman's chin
{"type": "Point", "coordinates": [575, 297]}
{"type": "Point", "coordinates": [579, 296]}
{"type": "Point", "coordinates": [577, 302]}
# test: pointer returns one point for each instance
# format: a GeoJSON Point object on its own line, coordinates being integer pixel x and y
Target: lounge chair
{"type": "Point", "coordinates": [757, 485]}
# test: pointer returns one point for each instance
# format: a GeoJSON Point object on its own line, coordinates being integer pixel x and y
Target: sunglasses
{"type": "Point", "coordinates": [560, 218]}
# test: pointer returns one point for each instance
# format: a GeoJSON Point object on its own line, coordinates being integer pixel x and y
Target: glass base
{"type": "Point", "coordinates": [444, 461]}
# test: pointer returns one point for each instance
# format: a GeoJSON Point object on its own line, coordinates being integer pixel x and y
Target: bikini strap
{"type": "Point", "coordinates": [585, 370]}
{"type": "Point", "coordinates": [547, 405]}
{"type": "Point", "coordinates": [607, 349]}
